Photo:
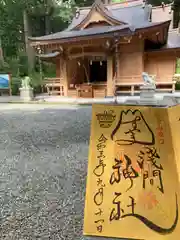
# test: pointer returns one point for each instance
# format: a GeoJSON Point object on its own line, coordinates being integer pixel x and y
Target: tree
{"type": "Point", "coordinates": [15, 26]}
{"type": "Point", "coordinates": [12, 23]}
{"type": "Point", "coordinates": [176, 17]}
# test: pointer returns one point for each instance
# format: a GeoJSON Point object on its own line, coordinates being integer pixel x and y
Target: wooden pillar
{"type": "Point", "coordinates": [110, 83]}
{"type": "Point", "coordinates": [65, 75]}
{"type": "Point", "coordinates": [117, 66]}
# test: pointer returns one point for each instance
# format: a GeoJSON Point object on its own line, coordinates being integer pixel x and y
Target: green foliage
{"type": "Point", "coordinates": [4, 67]}
{"type": "Point", "coordinates": [49, 69]}
{"type": "Point", "coordinates": [15, 85]}
{"type": "Point", "coordinates": [177, 87]}
{"type": "Point", "coordinates": [23, 65]}
{"type": "Point", "coordinates": [58, 24]}
{"type": "Point", "coordinates": [36, 79]}
{"type": "Point", "coordinates": [84, 3]}
{"type": "Point", "coordinates": [10, 66]}
{"type": "Point", "coordinates": [65, 11]}
{"type": "Point", "coordinates": [178, 65]}
{"type": "Point", "coordinates": [17, 67]}
{"type": "Point", "coordinates": [12, 25]}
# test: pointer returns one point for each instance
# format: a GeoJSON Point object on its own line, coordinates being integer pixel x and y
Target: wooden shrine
{"type": "Point", "coordinates": [106, 48]}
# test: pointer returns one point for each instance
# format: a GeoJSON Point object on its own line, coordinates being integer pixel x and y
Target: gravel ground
{"type": "Point", "coordinates": [43, 157]}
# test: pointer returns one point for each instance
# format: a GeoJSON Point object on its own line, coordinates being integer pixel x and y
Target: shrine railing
{"type": "Point", "coordinates": [52, 81]}
{"type": "Point", "coordinates": [54, 86]}
{"type": "Point", "coordinates": [131, 84]}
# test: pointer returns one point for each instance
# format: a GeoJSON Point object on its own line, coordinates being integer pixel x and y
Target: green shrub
{"type": "Point", "coordinates": [177, 87]}
{"type": "Point", "coordinates": [36, 82]}
{"type": "Point", "coordinates": [23, 65]}
{"type": "Point", "coordinates": [36, 79]}
{"type": "Point", "coordinates": [18, 66]}
{"type": "Point", "coordinates": [178, 65]}
{"type": "Point", "coordinates": [15, 85]}
{"type": "Point", "coordinates": [49, 70]}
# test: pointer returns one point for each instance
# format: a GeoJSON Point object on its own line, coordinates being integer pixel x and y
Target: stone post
{"type": "Point", "coordinates": [26, 95]}
{"type": "Point", "coordinates": [147, 95]}
{"type": "Point", "coordinates": [26, 91]}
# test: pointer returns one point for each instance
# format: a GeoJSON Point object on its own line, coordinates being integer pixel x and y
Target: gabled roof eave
{"type": "Point", "coordinates": [106, 32]}
{"type": "Point", "coordinates": [100, 8]}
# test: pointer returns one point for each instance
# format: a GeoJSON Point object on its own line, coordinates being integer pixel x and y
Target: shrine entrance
{"type": "Point", "coordinates": [98, 71]}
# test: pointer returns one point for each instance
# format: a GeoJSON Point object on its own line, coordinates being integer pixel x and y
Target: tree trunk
{"type": "Point", "coordinates": [29, 49]}
{"type": "Point", "coordinates": [1, 52]}
{"type": "Point", "coordinates": [47, 24]}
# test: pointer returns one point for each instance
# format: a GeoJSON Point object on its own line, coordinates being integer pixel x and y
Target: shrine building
{"type": "Point", "coordinates": [106, 48]}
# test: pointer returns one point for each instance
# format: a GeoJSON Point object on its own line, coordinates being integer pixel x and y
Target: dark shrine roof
{"type": "Point", "coordinates": [173, 41]}
{"type": "Point", "coordinates": [132, 14]}
{"type": "Point", "coordinates": [119, 30]}
{"type": "Point", "coordinates": [130, 18]}
{"type": "Point", "coordinates": [84, 32]}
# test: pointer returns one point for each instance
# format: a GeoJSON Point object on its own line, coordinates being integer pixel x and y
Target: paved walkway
{"type": "Point", "coordinates": [43, 158]}
{"type": "Point", "coordinates": [59, 99]}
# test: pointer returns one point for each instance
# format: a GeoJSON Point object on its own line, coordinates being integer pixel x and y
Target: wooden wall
{"type": "Point", "coordinates": [161, 64]}
{"type": "Point", "coordinates": [130, 60]}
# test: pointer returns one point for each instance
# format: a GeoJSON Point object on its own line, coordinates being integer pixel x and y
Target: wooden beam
{"type": "Point", "coordinates": [64, 75]}
{"type": "Point", "coordinates": [77, 39]}
{"type": "Point", "coordinates": [85, 54]}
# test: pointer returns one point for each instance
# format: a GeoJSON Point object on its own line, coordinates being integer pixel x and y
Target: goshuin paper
{"type": "Point", "coordinates": [132, 184]}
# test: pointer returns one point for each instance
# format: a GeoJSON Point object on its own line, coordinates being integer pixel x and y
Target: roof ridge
{"type": "Point", "coordinates": [111, 4]}
{"type": "Point", "coordinates": [108, 7]}
{"type": "Point", "coordinates": [102, 9]}
{"type": "Point", "coordinates": [123, 2]}
{"type": "Point", "coordinates": [131, 6]}
{"type": "Point", "coordinates": [166, 5]}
